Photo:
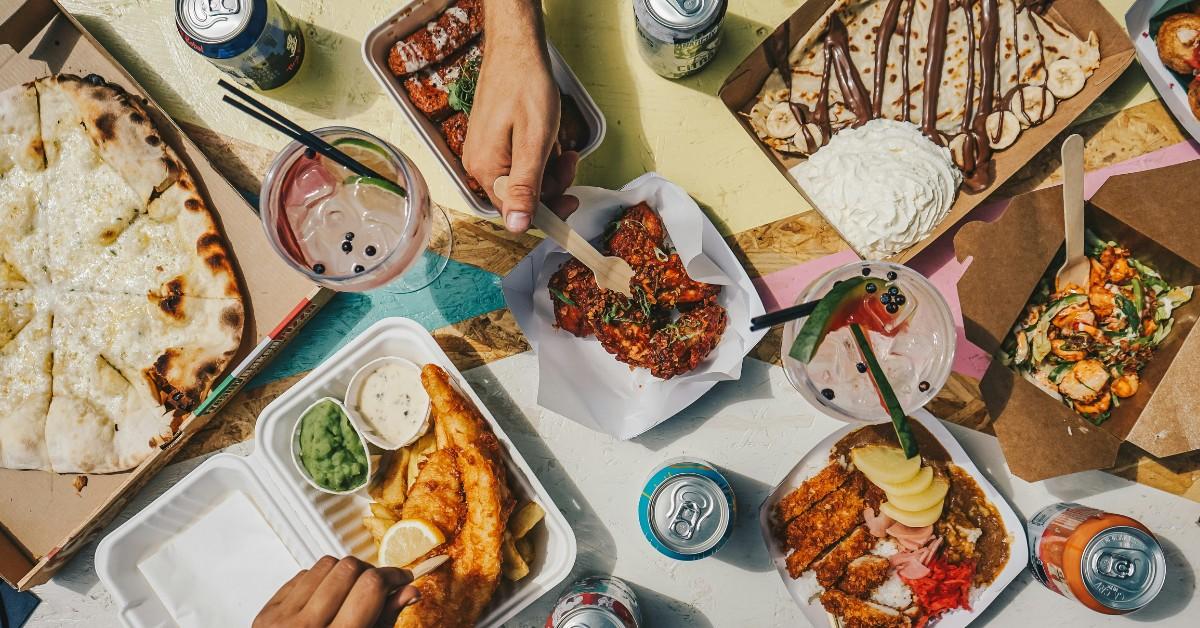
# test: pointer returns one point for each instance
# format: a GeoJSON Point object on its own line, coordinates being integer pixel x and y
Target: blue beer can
{"type": "Point", "coordinates": [254, 41]}
{"type": "Point", "coordinates": [687, 509]}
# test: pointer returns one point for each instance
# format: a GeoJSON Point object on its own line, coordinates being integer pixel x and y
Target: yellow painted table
{"type": "Point", "coordinates": [677, 128]}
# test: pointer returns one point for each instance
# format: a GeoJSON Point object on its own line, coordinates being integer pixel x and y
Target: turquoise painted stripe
{"type": "Point", "coordinates": [463, 291]}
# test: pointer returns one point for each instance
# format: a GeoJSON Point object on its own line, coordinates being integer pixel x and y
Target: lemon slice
{"type": "Point", "coordinates": [408, 540]}
{"type": "Point", "coordinates": [366, 153]}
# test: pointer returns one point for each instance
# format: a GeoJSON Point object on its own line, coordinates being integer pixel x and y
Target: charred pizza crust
{"type": "Point", "coordinates": [119, 302]}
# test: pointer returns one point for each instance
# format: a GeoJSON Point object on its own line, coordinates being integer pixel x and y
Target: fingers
{"type": "Point", "coordinates": [369, 596]}
{"type": "Point", "coordinates": [281, 596]}
{"type": "Point", "coordinates": [308, 581]}
{"type": "Point", "coordinates": [560, 172]}
{"type": "Point", "coordinates": [564, 206]}
{"type": "Point", "coordinates": [329, 596]}
{"type": "Point", "coordinates": [396, 602]}
{"type": "Point", "coordinates": [525, 179]}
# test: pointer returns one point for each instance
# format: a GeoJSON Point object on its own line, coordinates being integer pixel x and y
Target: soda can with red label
{"type": "Point", "coordinates": [596, 602]}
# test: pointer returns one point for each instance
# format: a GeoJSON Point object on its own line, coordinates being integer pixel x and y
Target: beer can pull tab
{"type": "Point", "coordinates": [688, 7]}
{"type": "Point", "coordinates": [1115, 566]}
{"type": "Point", "coordinates": [689, 509]}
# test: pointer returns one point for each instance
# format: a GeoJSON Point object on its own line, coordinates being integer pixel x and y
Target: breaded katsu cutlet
{"type": "Point", "coordinates": [429, 89]}
{"type": "Point", "coordinates": [456, 26]}
{"type": "Point", "coordinates": [856, 613]}
{"type": "Point", "coordinates": [823, 525]}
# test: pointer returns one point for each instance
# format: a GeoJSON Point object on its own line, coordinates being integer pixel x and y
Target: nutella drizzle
{"type": "Point", "coordinates": [984, 51]}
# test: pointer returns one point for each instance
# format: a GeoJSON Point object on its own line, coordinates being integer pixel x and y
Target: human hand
{"type": "Point", "coordinates": [346, 593]}
{"type": "Point", "coordinates": [514, 121]}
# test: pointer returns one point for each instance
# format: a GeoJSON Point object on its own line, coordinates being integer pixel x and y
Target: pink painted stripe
{"type": "Point", "coordinates": [781, 288]}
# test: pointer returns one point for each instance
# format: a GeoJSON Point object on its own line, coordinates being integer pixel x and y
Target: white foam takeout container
{"type": "Point", "coordinates": [414, 15]}
{"type": "Point", "coordinates": [818, 457]}
{"type": "Point", "coordinates": [311, 523]}
{"type": "Point", "coordinates": [1171, 86]}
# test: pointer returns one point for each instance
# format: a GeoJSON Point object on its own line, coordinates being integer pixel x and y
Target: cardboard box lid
{"type": "Point", "coordinates": [42, 514]}
{"type": "Point", "coordinates": [1040, 436]}
{"type": "Point", "coordinates": [1080, 16]}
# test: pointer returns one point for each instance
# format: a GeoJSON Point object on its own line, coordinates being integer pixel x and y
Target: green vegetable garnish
{"type": "Point", "coordinates": [842, 296]}
{"type": "Point", "coordinates": [462, 91]}
{"type": "Point", "coordinates": [561, 296]}
{"type": "Point", "coordinates": [1139, 296]}
{"type": "Point", "coordinates": [887, 396]}
{"type": "Point", "coordinates": [381, 183]}
{"type": "Point", "coordinates": [330, 449]}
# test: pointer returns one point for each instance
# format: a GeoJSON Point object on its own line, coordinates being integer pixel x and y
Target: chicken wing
{"type": "Point", "coordinates": [624, 327]}
{"type": "Point", "coordinates": [683, 345]}
{"type": "Point", "coordinates": [573, 290]}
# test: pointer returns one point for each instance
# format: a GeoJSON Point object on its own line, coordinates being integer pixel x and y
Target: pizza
{"type": "Point", "coordinates": [119, 302]}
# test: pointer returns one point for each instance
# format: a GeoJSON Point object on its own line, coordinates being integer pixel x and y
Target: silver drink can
{"type": "Point", "coordinates": [678, 37]}
{"type": "Point", "coordinates": [687, 509]}
{"type": "Point", "coordinates": [596, 602]}
{"type": "Point", "coordinates": [253, 41]}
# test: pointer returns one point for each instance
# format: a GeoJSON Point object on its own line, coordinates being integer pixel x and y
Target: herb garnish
{"type": "Point", "coordinates": [462, 91]}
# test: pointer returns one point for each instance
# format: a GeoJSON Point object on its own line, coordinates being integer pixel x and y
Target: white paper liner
{"type": "Point", "coordinates": [577, 378]}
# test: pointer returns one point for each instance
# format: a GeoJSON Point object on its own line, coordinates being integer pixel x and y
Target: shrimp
{"type": "Point", "coordinates": [1071, 313]}
{"type": "Point", "coordinates": [1096, 408]}
{"type": "Point", "coordinates": [1121, 271]}
{"type": "Point", "coordinates": [1148, 327]}
{"type": "Point", "coordinates": [1097, 274]}
{"type": "Point", "coordinates": [1110, 255]}
{"type": "Point", "coordinates": [1126, 385]}
{"type": "Point", "coordinates": [1102, 301]}
{"type": "Point", "coordinates": [1080, 327]}
{"type": "Point", "coordinates": [1084, 382]}
{"type": "Point", "coordinates": [1067, 350]}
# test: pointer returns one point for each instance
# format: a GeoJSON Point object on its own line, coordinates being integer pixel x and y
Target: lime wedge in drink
{"type": "Point", "coordinates": [380, 183]}
{"type": "Point", "coordinates": [366, 153]}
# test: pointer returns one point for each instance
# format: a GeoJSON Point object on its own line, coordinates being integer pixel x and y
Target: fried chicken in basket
{"type": "Point", "coordinates": [669, 325]}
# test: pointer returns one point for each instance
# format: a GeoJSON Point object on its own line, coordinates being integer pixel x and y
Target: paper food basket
{"type": "Point", "coordinates": [1142, 21]}
{"type": "Point", "coordinates": [310, 523]}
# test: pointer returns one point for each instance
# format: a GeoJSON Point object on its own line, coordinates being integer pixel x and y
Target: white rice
{"type": "Point", "coordinates": [808, 586]}
{"type": "Point", "coordinates": [893, 592]}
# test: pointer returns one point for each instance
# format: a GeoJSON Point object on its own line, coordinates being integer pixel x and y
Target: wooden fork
{"type": "Point", "coordinates": [1076, 266]}
{"type": "Point", "coordinates": [612, 273]}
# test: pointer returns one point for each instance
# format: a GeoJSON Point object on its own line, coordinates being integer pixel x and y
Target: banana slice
{"type": "Point", "coordinates": [958, 151]}
{"type": "Point", "coordinates": [776, 96]}
{"type": "Point", "coordinates": [1064, 78]}
{"type": "Point", "coordinates": [1002, 128]}
{"type": "Point", "coordinates": [780, 121]}
{"type": "Point", "coordinates": [758, 118]}
{"type": "Point", "coordinates": [801, 141]}
{"type": "Point", "coordinates": [1033, 105]}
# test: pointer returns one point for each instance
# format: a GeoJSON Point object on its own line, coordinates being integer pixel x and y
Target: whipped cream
{"type": "Point", "coordinates": [883, 185]}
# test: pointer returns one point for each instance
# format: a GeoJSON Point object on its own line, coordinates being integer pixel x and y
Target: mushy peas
{"type": "Point", "coordinates": [330, 450]}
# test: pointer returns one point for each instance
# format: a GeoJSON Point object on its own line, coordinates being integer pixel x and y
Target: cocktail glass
{"type": "Point", "coordinates": [914, 346]}
{"type": "Point", "coordinates": [352, 233]}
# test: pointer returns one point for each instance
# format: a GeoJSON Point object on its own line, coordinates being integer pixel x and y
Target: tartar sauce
{"type": "Point", "coordinates": [392, 402]}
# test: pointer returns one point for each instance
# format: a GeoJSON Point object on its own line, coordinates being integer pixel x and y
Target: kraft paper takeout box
{"type": "Point", "coordinates": [741, 89]}
{"type": "Point", "coordinates": [45, 519]}
{"type": "Point", "coordinates": [1040, 436]}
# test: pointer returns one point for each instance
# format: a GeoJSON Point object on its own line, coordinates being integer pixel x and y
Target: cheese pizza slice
{"type": "Point", "coordinates": [22, 159]}
{"type": "Point", "coordinates": [136, 367]}
{"type": "Point", "coordinates": [25, 360]}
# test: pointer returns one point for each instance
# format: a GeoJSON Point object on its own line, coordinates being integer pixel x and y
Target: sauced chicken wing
{"type": "Point", "coordinates": [682, 345]}
{"type": "Point", "coordinates": [669, 286]}
{"type": "Point", "coordinates": [624, 327]}
{"type": "Point", "coordinates": [572, 290]}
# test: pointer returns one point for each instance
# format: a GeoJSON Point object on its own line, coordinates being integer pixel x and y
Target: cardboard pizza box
{"type": "Point", "coordinates": [1040, 436]}
{"type": "Point", "coordinates": [45, 519]}
{"type": "Point", "coordinates": [741, 89]}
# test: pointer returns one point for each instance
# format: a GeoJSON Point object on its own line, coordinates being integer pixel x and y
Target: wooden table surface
{"type": "Point", "coordinates": [644, 114]}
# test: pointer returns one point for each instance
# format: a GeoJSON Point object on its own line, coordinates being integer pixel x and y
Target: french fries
{"type": "Point", "coordinates": [393, 486]}
{"type": "Point", "coordinates": [421, 449]}
{"type": "Point", "coordinates": [516, 552]}
{"type": "Point", "coordinates": [377, 527]}
{"type": "Point", "coordinates": [514, 566]}
{"type": "Point", "coordinates": [381, 511]}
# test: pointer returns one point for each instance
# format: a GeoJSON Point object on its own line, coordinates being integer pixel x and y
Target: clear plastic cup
{"type": "Point", "coordinates": [349, 233]}
{"type": "Point", "coordinates": [917, 359]}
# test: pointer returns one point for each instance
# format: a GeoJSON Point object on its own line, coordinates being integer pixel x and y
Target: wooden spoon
{"type": "Point", "coordinates": [612, 273]}
{"type": "Point", "coordinates": [1075, 269]}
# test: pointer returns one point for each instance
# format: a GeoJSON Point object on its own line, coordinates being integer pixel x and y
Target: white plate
{"type": "Point", "coordinates": [309, 522]}
{"type": "Point", "coordinates": [414, 15]}
{"type": "Point", "coordinates": [818, 457]}
{"type": "Point", "coordinates": [1170, 88]}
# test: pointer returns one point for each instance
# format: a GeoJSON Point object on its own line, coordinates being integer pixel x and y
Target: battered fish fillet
{"type": "Point", "coordinates": [856, 613]}
{"type": "Point", "coordinates": [436, 495]}
{"type": "Point", "coordinates": [810, 492]}
{"type": "Point", "coordinates": [823, 525]}
{"type": "Point", "coordinates": [831, 566]}
{"type": "Point", "coordinates": [465, 585]}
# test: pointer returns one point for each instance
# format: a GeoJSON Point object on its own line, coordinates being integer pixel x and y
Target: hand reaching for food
{"type": "Point", "coordinates": [515, 116]}
{"type": "Point", "coordinates": [346, 593]}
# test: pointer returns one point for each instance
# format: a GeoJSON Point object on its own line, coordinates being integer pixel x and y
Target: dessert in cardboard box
{"type": "Point", "coordinates": [920, 132]}
{"type": "Point", "coordinates": [1041, 436]}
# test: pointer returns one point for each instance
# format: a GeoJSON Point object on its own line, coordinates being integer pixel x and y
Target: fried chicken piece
{"type": "Point", "coordinates": [856, 613]}
{"type": "Point", "coordinates": [683, 345]}
{"type": "Point", "coordinates": [864, 574]}
{"type": "Point", "coordinates": [429, 89]}
{"type": "Point", "coordinates": [624, 327]}
{"type": "Point", "coordinates": [573, 290]}
{"type": "Point", "coordinates": [832, 565]}
{"type": "Point", "coordinates": [1178, 39]}
{"type": "Point", "coordinates": [637, 234]}
{"type": "Point", "coordinates": [810, 492]}
{"type": "Point", "coordinates": [454, 130]}
{"type": "Point", "coordinates": [669, 285]}
{"type": "Point", "coordinates": [823, 525]}
{"type": "Point", "coordinates": [438, 39]}
{"type": "Point", "coordinates": [1194, 97]}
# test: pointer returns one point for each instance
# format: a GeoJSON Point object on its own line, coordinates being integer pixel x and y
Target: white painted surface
{"type": "Point", "coordinates": [754, 430]}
